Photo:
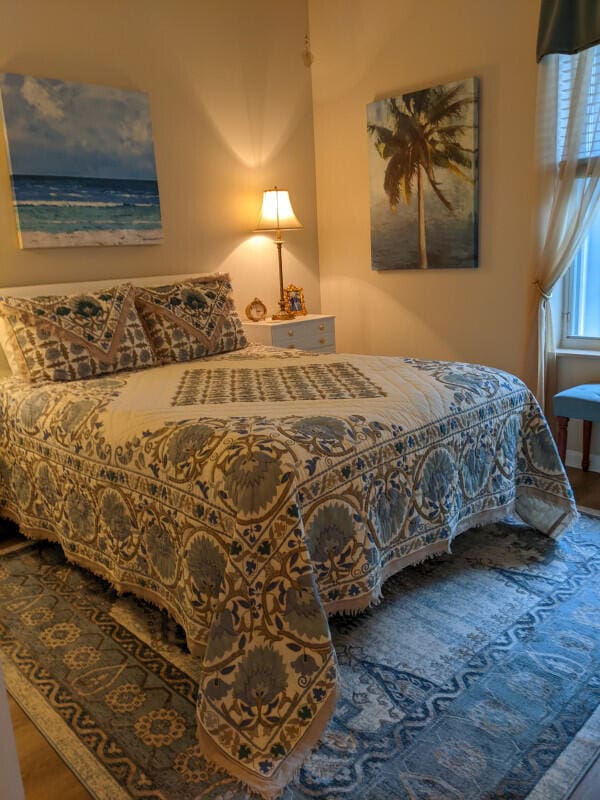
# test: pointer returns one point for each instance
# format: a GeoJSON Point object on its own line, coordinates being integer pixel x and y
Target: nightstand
{"type": "Point", "coordinates": [311, 332]}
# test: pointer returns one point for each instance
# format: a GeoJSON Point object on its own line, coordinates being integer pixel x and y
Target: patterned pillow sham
{"type": "Point", "coordinates": [65, 338]}
{"type": "Point", "coordinates": [191, 319]}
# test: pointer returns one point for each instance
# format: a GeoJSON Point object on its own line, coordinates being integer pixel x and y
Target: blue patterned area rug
{"type": "Point", "coordinates": [471, 680]}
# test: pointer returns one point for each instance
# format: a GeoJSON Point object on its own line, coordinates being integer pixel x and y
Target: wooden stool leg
{"type": "Point", "coordinates": [563, 423]}
{"type": "Point", "coordinates": [587, 435]}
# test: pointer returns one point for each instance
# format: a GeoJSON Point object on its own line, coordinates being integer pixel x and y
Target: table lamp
{"type": "Point", "coordinates": [278, 215]}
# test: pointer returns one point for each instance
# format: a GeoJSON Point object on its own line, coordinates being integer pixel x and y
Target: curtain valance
{"type": "Point", "coordinates": [568, 26]}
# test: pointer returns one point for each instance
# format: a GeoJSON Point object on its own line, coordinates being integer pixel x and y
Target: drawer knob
{"type": "Point", "coordinates": [321, 327]}
{"type": "Point", "coordinates": [290, 332]}
{"type": "Point", "coordinates": [321, 341]}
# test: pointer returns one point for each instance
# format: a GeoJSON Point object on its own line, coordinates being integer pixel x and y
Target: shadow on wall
{"type": "Point", "coordinates": [231, 115]}
{"type": "Point", "coordinates": [247, 78]}
{"type": "Point", "coordinates": [250, 126]}
{"type": "Point", "coordinates": [425, 330]}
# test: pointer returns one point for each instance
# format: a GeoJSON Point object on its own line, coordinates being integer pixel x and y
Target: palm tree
{"type": "Point", "coordinates": [426, 135]}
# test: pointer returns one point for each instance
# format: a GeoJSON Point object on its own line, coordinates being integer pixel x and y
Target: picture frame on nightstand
{"type": "Point", "coordinates": [294, 300]}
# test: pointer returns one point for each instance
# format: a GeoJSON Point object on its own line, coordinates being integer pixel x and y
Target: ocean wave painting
{"type": "Point", "coordinates": [423, 172]}
{"type": "Point", "coordinates": [81, 162]}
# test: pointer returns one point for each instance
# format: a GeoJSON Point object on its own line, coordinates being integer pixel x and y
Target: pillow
{"type": "Point", "coordinates": [191, 319]}
{"type": "Point", "coordinates": [65, 338]}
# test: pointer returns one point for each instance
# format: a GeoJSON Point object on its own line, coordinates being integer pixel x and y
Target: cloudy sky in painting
{"type": "Point", "coordinates": [76, 129]}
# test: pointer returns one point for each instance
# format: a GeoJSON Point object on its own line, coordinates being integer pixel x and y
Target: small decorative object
{"type": "Point", "coordinates": [307, 56]}
{"type": "Point", "coordinates": [278, 215]}
{"type": "Point", "coordinates": [423, 163]}
{"type": "Point", "coordinates": [81, 163]}
{"type": "Point", "coordinates": [256, 310]}
{"type": "Point", "coordinates": [294, 300]}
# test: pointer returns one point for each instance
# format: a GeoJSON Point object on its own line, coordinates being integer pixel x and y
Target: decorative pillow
{"type": "Point", "coordinates": [191, 319]}
{"type": "Point", "coordinates": [65, 338]}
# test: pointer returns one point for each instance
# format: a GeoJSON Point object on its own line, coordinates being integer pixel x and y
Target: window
{"type": "Point", "coordinates": [581, 287]}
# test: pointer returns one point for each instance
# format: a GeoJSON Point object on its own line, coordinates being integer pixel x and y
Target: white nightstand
{"type": "Point", "coordinates": [311, 332]}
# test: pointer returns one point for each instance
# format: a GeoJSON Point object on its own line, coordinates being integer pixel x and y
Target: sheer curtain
{"type": "Point", "coordinates": [568, 147]}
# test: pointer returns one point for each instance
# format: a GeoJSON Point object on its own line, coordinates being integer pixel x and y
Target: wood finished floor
{"type": "Point", "coordinates": [47, 777]}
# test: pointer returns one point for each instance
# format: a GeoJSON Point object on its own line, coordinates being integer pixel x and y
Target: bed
{"type": "Point", "coordinates": [254, 492]}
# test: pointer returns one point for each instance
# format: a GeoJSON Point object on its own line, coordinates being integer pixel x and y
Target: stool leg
{"type": "Point", "coordinates": [587, 435]}
{"type": "Point", "coordinates": [563, 423]}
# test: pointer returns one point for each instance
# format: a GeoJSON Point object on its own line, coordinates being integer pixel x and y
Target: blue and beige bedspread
{"type": "Point", "coordinates": [253, 494]}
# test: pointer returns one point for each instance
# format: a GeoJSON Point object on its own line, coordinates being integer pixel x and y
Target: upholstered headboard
{"type": "Point", "coordinates": [80, 288]}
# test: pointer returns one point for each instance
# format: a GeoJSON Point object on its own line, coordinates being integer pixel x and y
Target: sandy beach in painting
{"type": "Point", "coordinates": [57, 211]}
{"type": "Point", "coordinates": [90, 238]}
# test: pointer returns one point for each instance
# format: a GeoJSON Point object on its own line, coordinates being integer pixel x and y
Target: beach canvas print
{"type": "Point", "coordinates": [81, 162]}
{"type": "Point", "coordinates": [423, 171]}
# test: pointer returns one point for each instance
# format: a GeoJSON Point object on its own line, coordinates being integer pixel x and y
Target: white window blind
{"type": "Point", "coordinates": [588, 120]}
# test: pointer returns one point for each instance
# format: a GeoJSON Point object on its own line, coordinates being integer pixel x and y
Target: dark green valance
{"type": "Point", "coordinates": [568, 26]}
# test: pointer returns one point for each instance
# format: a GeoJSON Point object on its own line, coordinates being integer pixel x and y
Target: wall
{"type": "Point", "coordinates": [371, 49]}
{"type": "Point", "coordinates": [231, 110]}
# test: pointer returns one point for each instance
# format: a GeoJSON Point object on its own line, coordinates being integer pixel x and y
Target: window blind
{"type": "Point", "coordinates": [570, 72]}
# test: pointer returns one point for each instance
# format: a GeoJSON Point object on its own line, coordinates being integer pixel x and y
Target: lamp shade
{"type": "Point", "coordinates": [277, 212]}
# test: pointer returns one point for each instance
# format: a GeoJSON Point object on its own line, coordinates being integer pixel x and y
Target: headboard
{"type": "Point", "coordinates": [80, 288]}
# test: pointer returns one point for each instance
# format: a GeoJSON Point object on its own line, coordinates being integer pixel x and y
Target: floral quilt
{"type": "Point", "coordinates": [254, 493]}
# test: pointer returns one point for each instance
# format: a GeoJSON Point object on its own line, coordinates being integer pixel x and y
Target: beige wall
{"type": "Point", "coordinates": [371, 49]}
{"type": "Point", "coordinates": [231, 110]}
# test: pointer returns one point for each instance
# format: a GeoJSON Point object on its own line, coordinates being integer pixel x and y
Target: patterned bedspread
{"type": "Point", "coordinates": [253, 494]}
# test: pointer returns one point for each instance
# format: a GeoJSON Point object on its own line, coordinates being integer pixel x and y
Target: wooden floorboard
{"type": "Point", "coordinates": [45, 774]}
{"type": "Point", "coordinates": [47, 777]}
{"type": "Point", "coordinates": [586, 486]}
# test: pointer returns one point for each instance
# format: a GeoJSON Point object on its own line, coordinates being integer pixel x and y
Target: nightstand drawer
{"type": "Point", "coordinates": [314, 334]}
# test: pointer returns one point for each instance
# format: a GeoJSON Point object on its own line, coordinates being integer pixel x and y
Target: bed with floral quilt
{"type": "Point", "coordinates": [253, 493]}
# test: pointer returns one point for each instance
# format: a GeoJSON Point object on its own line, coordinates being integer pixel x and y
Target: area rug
{"type": "Point", "coordinates": [471, 680]}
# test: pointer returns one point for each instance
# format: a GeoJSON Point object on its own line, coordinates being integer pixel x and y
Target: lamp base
{"type": "Point", "coordinates": [283, 315]}
{"type": "Point", "coordinates": [283, 312]}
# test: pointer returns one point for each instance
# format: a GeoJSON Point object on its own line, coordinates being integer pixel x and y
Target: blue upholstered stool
{"type": "Point", "coordinates": [580, 402]}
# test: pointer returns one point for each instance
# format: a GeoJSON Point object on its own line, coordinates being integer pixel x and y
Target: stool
{"type": "Point", "coordinates": [580, 402]}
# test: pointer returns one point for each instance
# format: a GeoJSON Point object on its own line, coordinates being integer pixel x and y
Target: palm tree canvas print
{"type": "Point", "coordinates": [423, 168]}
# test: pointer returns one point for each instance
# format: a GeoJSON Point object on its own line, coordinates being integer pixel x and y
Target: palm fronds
{"type": "Point", "coordinates": [425, 135]}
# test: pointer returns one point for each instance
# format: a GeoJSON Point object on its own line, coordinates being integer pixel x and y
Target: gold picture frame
{"type": "Point", "coordinates": [294, 300]}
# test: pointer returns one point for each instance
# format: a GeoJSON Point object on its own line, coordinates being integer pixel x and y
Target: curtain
{"type": "Point", "coordinates": [567, 26]}
{"type": "Point", "coordinates": [569, 186]}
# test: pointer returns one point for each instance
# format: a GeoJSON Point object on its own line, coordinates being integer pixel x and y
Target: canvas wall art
{"type": "Point", "coordinates": [423, 171]}
{"type": "Point", "coordinates": [81, 161]}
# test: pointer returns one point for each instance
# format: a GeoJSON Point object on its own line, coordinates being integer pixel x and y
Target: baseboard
{"type": "Point", "coordinates": [592, 512]}
{"type": "Point", "coordinates": [573, 459]}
